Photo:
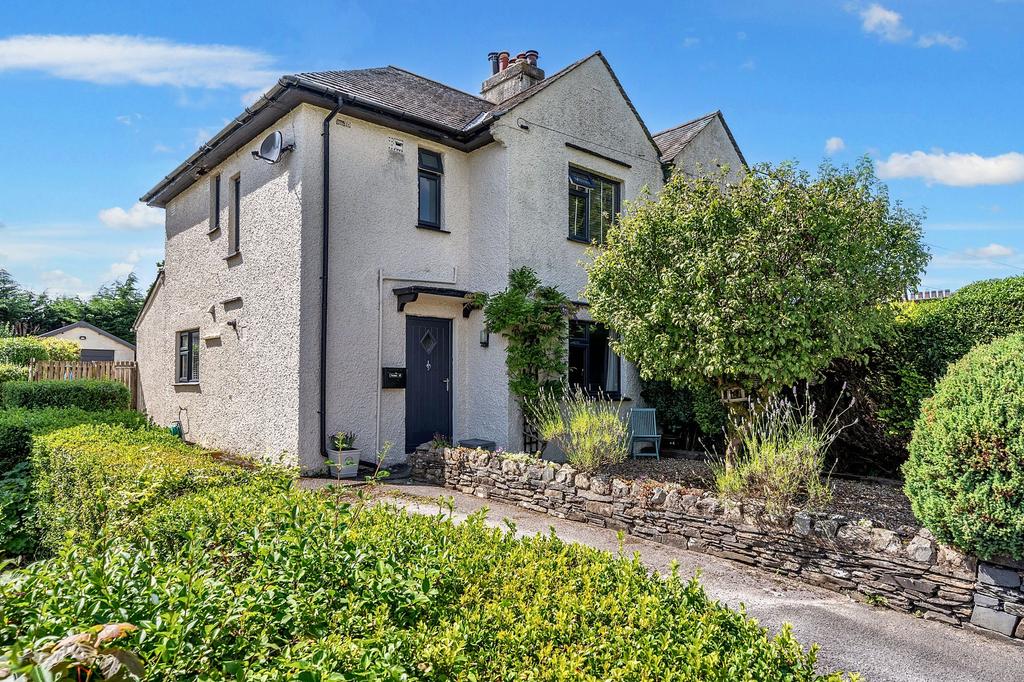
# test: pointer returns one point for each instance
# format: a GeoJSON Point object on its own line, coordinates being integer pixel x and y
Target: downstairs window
{"type": "Point", "coordinates": [592, 363]}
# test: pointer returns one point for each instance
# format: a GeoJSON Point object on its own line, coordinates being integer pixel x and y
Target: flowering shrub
{"type": "Point", "coordinates": [589, 430]}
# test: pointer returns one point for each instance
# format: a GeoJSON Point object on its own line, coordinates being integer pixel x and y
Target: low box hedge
{"type": "Point", "coordinates": [96, 475]}
{"type": "Point", "coordinates": [88, 394]}
{"type": "Point", "coordinates": [255, 583]}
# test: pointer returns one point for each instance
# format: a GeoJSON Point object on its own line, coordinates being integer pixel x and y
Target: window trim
{"type": "Point", "coordinates": [581, 190]}
{"type": "Point", "coordinates": [235, 219]}
{"type": "Point", "coordinates": [423, 171]}
{"type": "Point", "coordinates": [587, 325]}
{"type": "Point", "coordinates": [190, 351]}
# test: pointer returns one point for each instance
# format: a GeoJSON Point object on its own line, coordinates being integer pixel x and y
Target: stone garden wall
{"type": "Point", "coordinates": [873, 564]}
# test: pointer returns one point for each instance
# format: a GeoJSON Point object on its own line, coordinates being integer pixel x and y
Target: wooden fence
{"type": "Point", "coordinates": [124, 371]}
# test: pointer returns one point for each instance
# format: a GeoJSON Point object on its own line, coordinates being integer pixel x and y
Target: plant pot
{"type": "Point", "coordinates": [344, 463]}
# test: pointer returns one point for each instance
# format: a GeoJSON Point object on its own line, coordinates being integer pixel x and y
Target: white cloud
{"type": "Point", "coordinates": [138, 217]}
{"type": "Point", "coordinates": [691, 42]}
{"type": "Point", "coordinates": [162, 148]}
{"type": "Point", "coordinates": [117, 271]}
{"type": "Point", "coordinates": [129, 119]}
{"type": "Point", "coordinates": [122, 59]}
{"type": "Point", "coordinates": [990, 251]}
{"type": "Point", "coordinates": [834, 145]}
{"type": "Point", "coordinates": [884, 23]}
{"type": "Point", "coordinates": [888, 25]}
{"type": "Point", "coordinates": [748, 65]}
{"type": "Point", "coordinates": [941, 40]}
{"type": "Point", "coordinates": [741, 35]}
{"type": "Point", "coordinates": [956, 169]}
{"type": "Point", "coordinates": [60, 283]}
{"type": "Point", "coordinates": [249, 98]}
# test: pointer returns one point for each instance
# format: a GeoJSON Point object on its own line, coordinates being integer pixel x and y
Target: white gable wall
{"type": "Point", "coordinates": [710, 149]}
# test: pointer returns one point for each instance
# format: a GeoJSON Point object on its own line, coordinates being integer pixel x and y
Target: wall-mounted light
{"type": "Point", "coordinates": [485, 338]}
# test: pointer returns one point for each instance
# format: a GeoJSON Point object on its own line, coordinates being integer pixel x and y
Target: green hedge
{"type": "Point", "coordinates": [88, 394]}
{"type": "Point", "coordinates": [20, 350]}
{"type": "Point", "coordinates": [18, 523]}
{"type": "Point", "coordinates": [94, 475]}
{"type": "Point", "coordinates": [12, 373]}
{"type": "Point", "coordinates": [277, 585]}
{"type": "Point", "coordinates": [233, 574]}
{"type": "Point", "coordinates": [965, 474]}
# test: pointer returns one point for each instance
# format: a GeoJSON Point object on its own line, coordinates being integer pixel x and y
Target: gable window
{"type": "Point", "coordinates": [430, 171]}
{"type": "Point", "coordinates": [236, 217]}
{"type": "Point", "coordinates": [593, 205]}
{"type": "Point", "coordinates": [592, 363]}
{"type": "Point", "coordinates": [188, 357]}
{"type": "Point", "coordinates": [215, 203]}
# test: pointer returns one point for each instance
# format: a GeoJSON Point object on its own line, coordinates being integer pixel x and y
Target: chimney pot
{"type": "Point", "coordinates": [502, 61]}
{"type": "Point", "coordinates": [492, 57]}
{"type": "Point", "coordinates": [531, 57]}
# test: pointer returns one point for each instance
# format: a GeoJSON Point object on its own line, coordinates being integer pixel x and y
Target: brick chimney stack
{"type": "Point", "coordinates": [511, 76]}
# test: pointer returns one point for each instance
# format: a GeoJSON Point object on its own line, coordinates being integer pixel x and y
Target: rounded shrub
{"type": "Point", "coordinates": [20, 350]}
{"type": "Point", "coordinates": [965, 474]}
{"type": "Point", "coordinates": [15, 443]}
{"type": "Point", "coordinates": [12, 373]}
{"type": "Point", "coordinates": [88, 394]}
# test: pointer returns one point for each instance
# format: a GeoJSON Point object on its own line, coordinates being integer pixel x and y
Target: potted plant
{"type": "Point", "coordinates": [342, 455]}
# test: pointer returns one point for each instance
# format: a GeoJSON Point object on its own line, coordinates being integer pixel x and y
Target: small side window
{"type": "Point", "coordinates": [236, 214]}
{"type": "Point", "coordinates": [215, 203]}
{"type": "Point", "coordinates": [431, 169]}
{"type": "Point", "coordinates": [593, 205]}
{"type": "Point", "coordinates": [188, 357]}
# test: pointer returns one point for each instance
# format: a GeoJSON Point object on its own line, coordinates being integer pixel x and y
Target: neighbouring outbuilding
{"type": "Point", "coordinates": [97, 345]}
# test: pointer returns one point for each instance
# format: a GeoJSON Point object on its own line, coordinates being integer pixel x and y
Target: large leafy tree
{"type": "Point", "coordinates": [115, 306]}
{"type": "Point", "coordinates": [757, 285]}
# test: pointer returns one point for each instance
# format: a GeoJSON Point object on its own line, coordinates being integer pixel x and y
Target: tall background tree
{"type": "Point", "coordinates": [758, 285]}
{"type": "Point", "coordinates": [113, 308]}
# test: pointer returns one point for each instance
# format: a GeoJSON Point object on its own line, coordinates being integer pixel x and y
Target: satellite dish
{"type": "Point", "coordinates": [272, 148]}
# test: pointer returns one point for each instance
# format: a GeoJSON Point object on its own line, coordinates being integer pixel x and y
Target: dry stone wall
{"type": "Point", "coordinates": [874, 564]}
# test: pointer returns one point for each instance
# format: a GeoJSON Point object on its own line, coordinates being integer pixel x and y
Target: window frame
{"type": "Point", "coordinates": [584, 192]}
{"type": "Point", "coordinates": [585, 343]}
{"type": "Point", "coordinates": [436, 175]}
{"type": "Point", "coordinates": [235, 246]}
{"type": "Point", "coordinates": [186, 346]}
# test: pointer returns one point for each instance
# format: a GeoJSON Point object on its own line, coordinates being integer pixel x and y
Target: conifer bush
{"type": "Point", "coordinates": [965, 474]}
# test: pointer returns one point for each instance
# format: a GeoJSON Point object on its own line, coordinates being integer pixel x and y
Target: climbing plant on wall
{"type": "Point", "coordinates": [534, 321]}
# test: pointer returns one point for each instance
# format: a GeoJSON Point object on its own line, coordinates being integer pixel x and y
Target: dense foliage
{"type": "Point", "coordinates": [237, 582]}
{"type": "Point", "coordinates": [112, 308]}
{"type": "Point", "coordinates": [237, 575]}
{"type": "Point", "coordinates": [87, 394]}
{"type": "Point", "coordinates": [10, 372]}
{"type": "Point", "coordinates": [97, 475]}
{"type": "Point", "coordinates": [20, 350]}
{"type": "Point", "coordinates": [534, 321]}
{"type": "Point", "coordinates": [756, 285]}
{"type": "Point", "coordinates": [913, 353]}
{"type": "Point", "coordinates": [18, 524]}
{"type": "Point", "coordinates": [965, 474]}
{"type": "Point", "coordinates": [682, 408]}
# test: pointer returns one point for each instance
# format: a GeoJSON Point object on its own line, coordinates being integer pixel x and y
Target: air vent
{"type": "Point", "coordinates": [396, 146]}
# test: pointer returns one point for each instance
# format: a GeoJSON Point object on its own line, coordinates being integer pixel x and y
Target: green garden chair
{"type": "Point", "coordinates": [643, 428]}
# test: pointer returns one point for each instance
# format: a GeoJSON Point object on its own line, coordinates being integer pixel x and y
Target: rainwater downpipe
{"type": "Point", "coordinates": [324, 271]}
{"type": "Point", "coordinates": [381, 278]}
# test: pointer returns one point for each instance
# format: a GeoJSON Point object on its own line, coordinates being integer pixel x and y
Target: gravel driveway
{"type": "Point", "coordinates": [879, 643]}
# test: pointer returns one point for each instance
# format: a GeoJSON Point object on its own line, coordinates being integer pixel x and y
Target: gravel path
{"type": "Point", "coordinates": [879, 643]}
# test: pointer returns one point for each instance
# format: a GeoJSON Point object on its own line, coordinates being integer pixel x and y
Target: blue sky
{"type": "Point", "coordinates": [98, 105]}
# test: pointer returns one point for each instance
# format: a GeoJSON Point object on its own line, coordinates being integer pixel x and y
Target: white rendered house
{"type": "Point", "coordinates": [328, 291]}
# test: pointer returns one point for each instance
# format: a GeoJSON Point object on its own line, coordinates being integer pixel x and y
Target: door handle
{"type": "Point", "coordinates": [446, 384]}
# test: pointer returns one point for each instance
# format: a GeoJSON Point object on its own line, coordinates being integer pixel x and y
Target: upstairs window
{"type": "Point", "coordinates": [593, 205]}
{"type": "Point", "coordinates": [188, 357]}
{"type": "Point", "coordinates": [215, 203]}
{"type": "Point", "coordinates": [430, 171]}
{"type": "Point", "coordinates": [593, 365]}
{"type": "Point", "coordinates": [236, 214]}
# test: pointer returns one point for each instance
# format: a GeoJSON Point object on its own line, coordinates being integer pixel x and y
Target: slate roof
{"type": "Point", "coordinates": [403, 92]}
{"type": "Point", "coordinates": [83, 323]}
{"type": "Point", "coordinates": [672, 141]}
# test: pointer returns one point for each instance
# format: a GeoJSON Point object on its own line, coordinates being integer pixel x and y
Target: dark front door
{"type": "Point", "coordinates": [428, 385]}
